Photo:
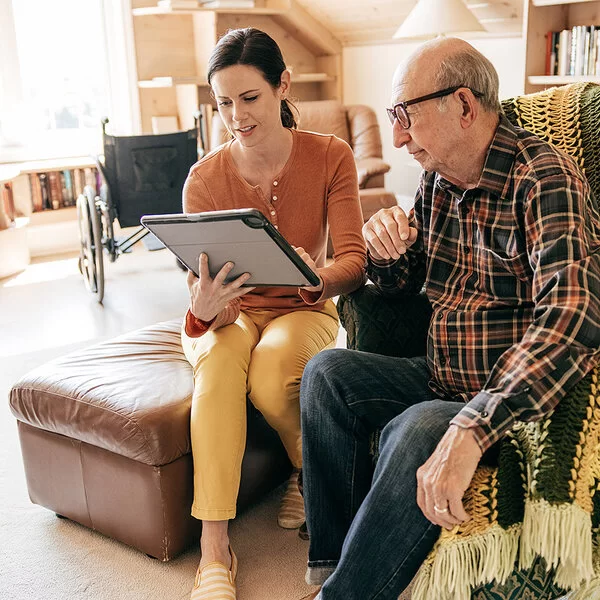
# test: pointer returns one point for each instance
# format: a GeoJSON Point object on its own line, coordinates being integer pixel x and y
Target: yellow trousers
{"type": "Point", "coordinates": [262, 355]}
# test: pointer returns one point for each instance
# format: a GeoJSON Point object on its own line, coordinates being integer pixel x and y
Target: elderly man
{"type": "Point", "coordinates": [505, 237]}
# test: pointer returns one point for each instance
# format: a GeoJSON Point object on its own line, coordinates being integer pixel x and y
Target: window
{"type": "Point", "coordinates": [59, 78]}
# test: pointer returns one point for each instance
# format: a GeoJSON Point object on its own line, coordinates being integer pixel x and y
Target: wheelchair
{"type": "Point", "coordinates": [140, 175]}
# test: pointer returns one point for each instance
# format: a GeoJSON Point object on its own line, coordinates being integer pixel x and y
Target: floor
{"type": "Point", "coordinates": [45, 312]}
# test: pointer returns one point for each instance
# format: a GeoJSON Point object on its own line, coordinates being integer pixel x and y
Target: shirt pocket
{"type": "Point", "coordinates": [500, 263]}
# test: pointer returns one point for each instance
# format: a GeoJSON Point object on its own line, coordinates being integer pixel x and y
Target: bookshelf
{"type": "Point", "coordinates": [174, 38]}
{"type": "Point", "coordinates": [543, 16]}
{"type": "Point", "coordinates": [50, 227]}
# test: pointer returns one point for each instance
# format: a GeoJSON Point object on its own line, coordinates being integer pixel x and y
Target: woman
{"type": "Point", "coordinates": [256, 341]}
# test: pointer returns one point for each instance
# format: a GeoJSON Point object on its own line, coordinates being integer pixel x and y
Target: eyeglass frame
{"type": "Point", "coordinates": [392, 112]}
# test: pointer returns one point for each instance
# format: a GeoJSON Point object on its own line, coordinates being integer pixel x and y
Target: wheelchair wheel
{"type": "Point", "coordinates": [106, 218]}
{"type": "Point", "coordinates": [90, 263]}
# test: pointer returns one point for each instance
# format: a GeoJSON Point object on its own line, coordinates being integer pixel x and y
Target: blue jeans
{"type": "Point", "coordinates": [368, 537]}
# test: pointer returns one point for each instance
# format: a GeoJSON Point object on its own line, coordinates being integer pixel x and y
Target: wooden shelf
{"type": "Point", "coordinates": [558, 2]}
{"type": "Point", "coordinates": [175, 38]}
{"type": "Point", "coordinates": [44, 166]}
{"type": "Point", "coordinates": [561, 79]}
{"type": "Point", "coordinates": [47, 217]}
{"type": "Point", "coordinates": [169, 82]}
{"type": "Point", "coordinates": [271, 7]}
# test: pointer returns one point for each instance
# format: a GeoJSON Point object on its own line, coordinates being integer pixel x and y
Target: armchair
{"type": "Point", "coordinates": [568, 117]}
{"type": "Point", "coordinates": [356, 124]}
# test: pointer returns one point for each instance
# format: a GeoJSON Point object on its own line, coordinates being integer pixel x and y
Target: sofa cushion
{"type": "Point", "coordinates": [324, 116]}
{"type": "Point", "coordinates": [130, 395]}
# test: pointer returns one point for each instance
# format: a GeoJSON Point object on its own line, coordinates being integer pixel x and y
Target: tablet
{"type": "Point", "coordinates": [244, 236]}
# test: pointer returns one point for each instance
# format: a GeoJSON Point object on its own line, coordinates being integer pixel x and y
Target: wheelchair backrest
{"type": "Point", "coordinates": [145, 173]}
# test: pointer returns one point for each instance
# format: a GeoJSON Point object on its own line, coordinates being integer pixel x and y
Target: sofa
{"type": "Point", "coordinates": [568, 117]}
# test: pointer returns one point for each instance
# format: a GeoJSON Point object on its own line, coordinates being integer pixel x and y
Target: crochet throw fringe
{"type": "Point", "coordinates": [459, 567]}
{"type": "Point", "coordinates": [562, 536]}
{"type": "Point", "coordinates": [541, 502]}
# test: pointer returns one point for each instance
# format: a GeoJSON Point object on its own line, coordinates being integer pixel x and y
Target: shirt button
{"type": "Point", "coordinates": [467, 250]}
{"type": "Point", "coordinates": [274, 198]}
{"type": "Point", "coordinates": [275, 183]}
{"type": "Point", "coordinates": [484, 413]}
{"type": "Point", "coordinates": [440, 316]}
{"type": "Point", "coordinates": [273, 213]}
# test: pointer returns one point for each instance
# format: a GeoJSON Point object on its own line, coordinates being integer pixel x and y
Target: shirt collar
{"type": "Point", "coordinates": [498, 165]}
{"type": "Point", "coordinates": [497, 169]}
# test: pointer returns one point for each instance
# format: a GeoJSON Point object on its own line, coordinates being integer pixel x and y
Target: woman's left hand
{"type": "Point", "coordinates": [311, 263]}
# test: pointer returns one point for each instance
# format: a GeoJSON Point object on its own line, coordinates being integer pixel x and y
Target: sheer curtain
{"type": "Point", "coordinates": [66, 64]}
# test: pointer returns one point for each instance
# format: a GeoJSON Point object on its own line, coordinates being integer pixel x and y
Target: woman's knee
{"type": "Point", "coordinates": [327, 366]}
{"type": "Point", "coordinates": [323, 378]}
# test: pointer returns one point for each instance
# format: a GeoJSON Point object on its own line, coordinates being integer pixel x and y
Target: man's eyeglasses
{"type": "Point", "coordinates": [398, 111]}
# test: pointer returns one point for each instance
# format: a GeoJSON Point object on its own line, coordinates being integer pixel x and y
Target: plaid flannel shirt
{"type": "Point", "coordinates": [512, 270]}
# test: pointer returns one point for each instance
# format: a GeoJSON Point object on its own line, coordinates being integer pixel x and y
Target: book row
{"type": "Point", "coordinates": [58, 189]}
{"type": "Point", "coordinates": [574, 51]}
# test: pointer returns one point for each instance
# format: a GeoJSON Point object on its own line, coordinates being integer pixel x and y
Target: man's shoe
{"type": "Point", "coordinates": [303, 532]}
{"type": "Point", "coordinates": [215, 581]}
{"type": "Point", "coordinates": [291, 511]}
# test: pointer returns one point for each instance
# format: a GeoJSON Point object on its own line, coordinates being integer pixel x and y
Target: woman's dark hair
{"type": "Point", "coordinates": [254, 48]}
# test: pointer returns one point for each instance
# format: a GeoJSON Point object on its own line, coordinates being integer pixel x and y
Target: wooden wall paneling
{"type": "Point", "coordinates": [308, 31]}
{"type": "Point", "coordinates": [157, 102]}
{"type": "Point", "coordinates": [586, 13]}
{"type": "Point", "coordinates": [332, 65]}
{"type": "Point", "coordinates": [164, 46]}
{"type": "Point", "coordinates": [205, 38]}
{"type": "Point", "coordinates": [538, 22]}
{"type": "Point", "coordinates": [296, 55]}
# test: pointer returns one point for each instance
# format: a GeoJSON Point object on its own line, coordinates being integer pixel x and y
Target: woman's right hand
{"type": "Point", "coordinates": [208, 296]}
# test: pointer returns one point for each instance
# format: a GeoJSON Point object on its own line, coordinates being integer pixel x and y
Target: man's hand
{"type": "Point", "coordinates": [388, 234]}
{"type": "Point", "coordinates": [444, 478]}
{"type": "Point", "coordinates": [208, 297]}
{"type": "Point", "coordinates": [305, 256]}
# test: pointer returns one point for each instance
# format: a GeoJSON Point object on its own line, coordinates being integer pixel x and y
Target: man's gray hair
{"type": "Point", "coordinates": [470, 68]}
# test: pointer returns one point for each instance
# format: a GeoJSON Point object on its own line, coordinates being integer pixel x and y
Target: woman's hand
{"type": "Point", "coordinates": [208, 297]}
{"type": "Point", "coordinates": [311, 263]}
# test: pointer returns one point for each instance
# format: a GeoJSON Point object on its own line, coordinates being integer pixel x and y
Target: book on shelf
{"type": "Point", "coordinates": [8, 201]}
{"type": "Point", "coordinates": [57, 189]}
{"type": "Point", "coordinates": [206, 116]}
{"type": "Point", "coordinates": [77, 183]}
{"type": "Point", "coordinates": [45, 191]}
{"type": "Point", "coordinates": [574, 51]}
{"type": "Point", "coordinates": [35, 186]}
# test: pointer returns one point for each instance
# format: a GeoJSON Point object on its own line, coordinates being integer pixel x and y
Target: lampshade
{"type": "Point", "coordinates": [435, 17]}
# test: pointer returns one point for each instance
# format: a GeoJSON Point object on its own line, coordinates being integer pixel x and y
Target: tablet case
{"type": "Point", "coordinates": [244, 236]}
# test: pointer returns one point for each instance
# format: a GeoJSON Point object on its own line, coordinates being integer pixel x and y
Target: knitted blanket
{"type": "Point", "coordinates": [542, 501]}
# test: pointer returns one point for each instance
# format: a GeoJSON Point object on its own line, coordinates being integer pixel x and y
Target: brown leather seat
{"type": "Point", "coordinates": [105, 440]}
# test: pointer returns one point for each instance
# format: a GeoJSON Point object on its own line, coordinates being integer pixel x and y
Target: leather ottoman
{"type": "Point", "coordinates": [105, 440]}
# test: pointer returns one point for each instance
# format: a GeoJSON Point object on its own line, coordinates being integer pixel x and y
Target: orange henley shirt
{"type": "Point", "coordinates": [316, 191]}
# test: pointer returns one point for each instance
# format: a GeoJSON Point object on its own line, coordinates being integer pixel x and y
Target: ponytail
{"type": "Point", "coordinates": [287, 115]}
